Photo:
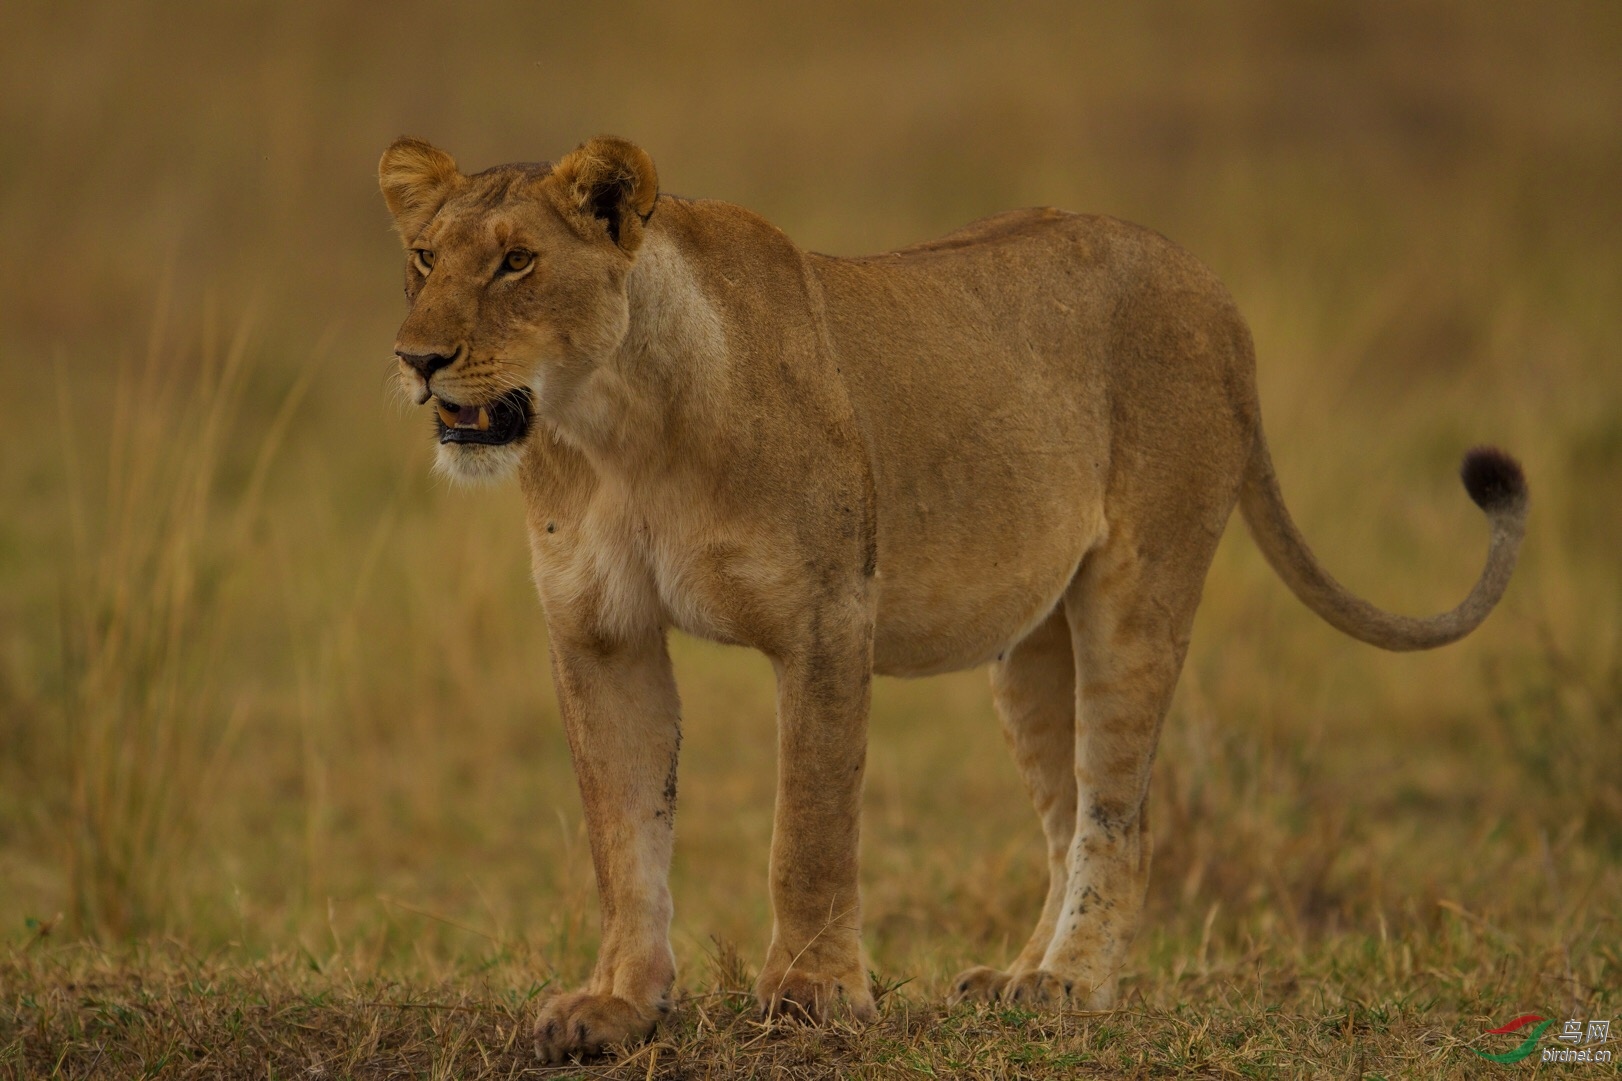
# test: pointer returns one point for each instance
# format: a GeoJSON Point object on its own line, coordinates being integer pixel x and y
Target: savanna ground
{"type": "Point", "coordinates": [283, 792]}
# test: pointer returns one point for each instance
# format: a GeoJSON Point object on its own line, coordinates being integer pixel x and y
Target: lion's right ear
{"type": "Point", "coordinates": [610, 187]}
{"type": "Point", "coordinates": [416, 178]}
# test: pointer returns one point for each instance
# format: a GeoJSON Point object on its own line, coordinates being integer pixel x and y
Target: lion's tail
{"type": "Point", "coordinates": [1496, 484]}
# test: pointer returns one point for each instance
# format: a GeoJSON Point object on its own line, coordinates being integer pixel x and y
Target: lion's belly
{"type": "Point", "coordinates": [989, 471]}
{"type": "Point", "coordinates": [966, 571]}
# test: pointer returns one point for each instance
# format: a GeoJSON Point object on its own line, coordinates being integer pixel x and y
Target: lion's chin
{"type": "Point", "coordinates": [476, 464]}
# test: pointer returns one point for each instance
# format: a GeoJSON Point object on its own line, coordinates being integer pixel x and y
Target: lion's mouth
{"type": "Point", "coordinates": [491, 424]}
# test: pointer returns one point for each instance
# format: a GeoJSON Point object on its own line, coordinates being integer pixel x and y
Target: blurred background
{"type": "Point", "coordinates": [266, 682]}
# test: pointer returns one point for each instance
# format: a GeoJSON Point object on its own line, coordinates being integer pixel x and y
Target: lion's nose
{"type": "Point", "coordinates": [426, 364]}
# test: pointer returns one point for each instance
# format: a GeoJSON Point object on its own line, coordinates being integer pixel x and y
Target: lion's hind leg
{"type": "Point", "coordinates": [1131, 610]}
{"type": "Point", "coordinates": [1034, 688]}
{"type": "Point", "coordinates": [1082, 701]}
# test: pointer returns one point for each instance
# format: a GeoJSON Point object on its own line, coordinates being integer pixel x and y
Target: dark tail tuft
{"type": "Point", "coordinates": [1493, 479]}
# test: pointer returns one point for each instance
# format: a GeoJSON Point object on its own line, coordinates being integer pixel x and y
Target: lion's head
{"type": "Point", "coordinates": [516, 279]}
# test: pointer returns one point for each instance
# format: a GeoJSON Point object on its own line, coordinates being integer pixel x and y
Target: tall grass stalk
{"type": "Point", "coordinates": [147, 719]}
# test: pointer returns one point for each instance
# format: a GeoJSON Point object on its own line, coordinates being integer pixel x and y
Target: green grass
{"type": "Point", "coordinates": [282, 783]}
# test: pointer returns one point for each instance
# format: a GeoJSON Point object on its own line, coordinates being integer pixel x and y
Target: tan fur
{"type": "Point", "coordinates": [1018, 444]}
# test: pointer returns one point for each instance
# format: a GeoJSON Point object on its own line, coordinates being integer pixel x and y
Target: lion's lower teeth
{"type": "Point", "coordinates": [465, 417]}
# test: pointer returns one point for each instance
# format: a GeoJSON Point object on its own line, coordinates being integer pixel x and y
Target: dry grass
{"type": "Point", "coordinates": [281, 779]}
{"type": "Point", "coordinates": [1416, 1010]}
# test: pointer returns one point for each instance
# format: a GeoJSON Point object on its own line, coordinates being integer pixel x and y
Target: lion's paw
{"type": "Point", "coordinates": [813, 998]}
{"type": "Point", "coordinates": [1035, 989]}
{"type": "Point", "coordinates": [1038, 989]}
{"type": "Point", "coordinates": [581, 1024]}
{"type": "Point", "coordinates": [978, 984]}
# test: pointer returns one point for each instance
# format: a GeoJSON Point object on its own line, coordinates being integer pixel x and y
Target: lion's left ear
{"type": "Point", "coordinates": [610, 184]}
{"type": "Point", "coordinates": [416, 178]}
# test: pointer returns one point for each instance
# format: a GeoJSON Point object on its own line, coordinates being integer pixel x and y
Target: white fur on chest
{"type": "Point", "coordinates": [638, 567]}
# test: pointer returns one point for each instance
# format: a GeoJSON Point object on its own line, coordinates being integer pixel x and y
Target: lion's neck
{"type": "Point", "coordinates": [665, 381]}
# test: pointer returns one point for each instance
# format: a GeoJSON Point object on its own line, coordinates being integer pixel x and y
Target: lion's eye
{"type": "Point", "coordinates": [517, 260]}
{"type": "Point", "coordinates": [425, 259]}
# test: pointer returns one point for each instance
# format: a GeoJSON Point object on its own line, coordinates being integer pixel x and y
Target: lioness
{"type": "Point", "coordinates": [1017, 444]}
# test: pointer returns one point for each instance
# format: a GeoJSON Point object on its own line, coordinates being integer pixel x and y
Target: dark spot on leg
{"type": "Point", "coordinates": [1103, 820]}
{"type": "Point", "coordinates": [670, 776]}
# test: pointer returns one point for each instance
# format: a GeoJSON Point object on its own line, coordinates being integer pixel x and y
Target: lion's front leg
{"type": "Point", "coordinates": [815, 967]}
{"type": "Point", "coordinates": [623, 722]}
